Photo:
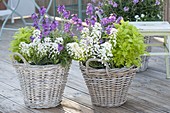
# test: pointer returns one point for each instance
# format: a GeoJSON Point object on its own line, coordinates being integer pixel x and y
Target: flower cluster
{"type": "Point", "coordinates": [45, 42]}
{"type": "Point", "coordinates": [133, 10]}
{"type": "Point", "coordinates": [92, 44]}
{"type": "Point", "coordinates": [110, 39]}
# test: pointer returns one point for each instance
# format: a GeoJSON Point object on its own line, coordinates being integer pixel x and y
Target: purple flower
{"type": "Point", "coordinates": [93, 20]}
{"type": "Point", "coordinates": [94, 1]}
{"type": "Point", "coordinates": [46, 32]}
{"type": "Point", "coordinates": [135, 1]}
{"type": "Point", "coordinates": [35, 24]}
{"type": "Point", "coordinates": [108, 29]}
{"type": "Point", "coordinates": [34, 16]}
{"type": "Point", "coordinates": [61, 9]}
{"type": "Point", "coordinates": [101, 41]}
{"type": "Point", "coordinates": [42, 11]}
{"type": "Point", "coordinates": [110, 2]}
{"type": "Point", "coordinates": [87, 21]}
{"type": "Point", "coordinates": [89, 10]}
{"type": "Point", "coordinates": [79, 25]}
{"type": "Point", "coordinates": [126, 9]}
{"type": "Point", "coordinates": [100, 4]}
{"type": "Point", "coordinates": [60, 47]}
{"type": "Point", "coordinates": [66, 14]}
{"type": "Point", "coordinates": [67, 27]}
{"type": "Point", "coordinates": [104, 21]}
{"type": "Point", "coordinates": [115, 4]}
{"type": "Point", "coordinates": [112, 18]}
{"type": "Point", "coordinates": [119, 20]}
{"type": "Point", "coordinates": [157, 2]}
{"type": "Point", "coordinates": [74, 18]}
{"type": "Point", "coordinates": [32, 38]}
{"type": "Point", "coordinates": [54, 25]}
{"type": "Point", "coordinates": [45, 23]}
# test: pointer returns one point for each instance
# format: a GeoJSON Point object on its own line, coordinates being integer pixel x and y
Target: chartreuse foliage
{"type": "Point", "coordinates": [23, 35]}
{"type": "Point", "coordinates": [130, 46]}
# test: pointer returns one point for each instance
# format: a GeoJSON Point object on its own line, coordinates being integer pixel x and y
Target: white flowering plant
{"type": "Point", "coordinates": [45, 42]}
{"type": "Point", "coordinates": [119, 44]}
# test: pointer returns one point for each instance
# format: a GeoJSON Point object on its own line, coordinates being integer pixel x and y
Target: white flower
{"type": "Point", "coordinates": [36, 33]}
{"type": "Point", "coordinates": [85, 31]}
{"type": "Point", "coordinates": [137, 16]}
{"type": "Point", "coordinates": [59, 40]}
{"type": "Point", "coordinates": [75, 50]}
{"type": "Point", "coordinates": [113, 31]}
{"type": "Point", "coordinates": [97, 26]}
{"type": "Point", "coordinates": [47, 39]}
{"type": "Point", "coordinates": [142, 16]}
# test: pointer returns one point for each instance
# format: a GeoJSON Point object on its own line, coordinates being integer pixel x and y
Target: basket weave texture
{"type": "Point", "coordinates": [145, 59]}
{"type": "Point", "coordinates": [42, 86]}
{"type": "Point", "coordinates": [108, 87]}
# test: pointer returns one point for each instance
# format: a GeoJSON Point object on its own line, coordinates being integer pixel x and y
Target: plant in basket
{"type": "Point", "coordinates": [41, 58]}
{"type": "Point", "coordinates": [108, 57]}
{"type": "Point", "coordinates": [133, 10]}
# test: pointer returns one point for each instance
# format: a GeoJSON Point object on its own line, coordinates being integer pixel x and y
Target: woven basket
{"type": "Point", "coordinates": [145, 59]}
{"type": "Point", "coordinates": [107, 87]}
{"type": "Point", "coordinates": [42, 86]}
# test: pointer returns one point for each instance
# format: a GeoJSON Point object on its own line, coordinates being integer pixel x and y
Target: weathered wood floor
{"type": "Point", "coordinates": [149, 92]}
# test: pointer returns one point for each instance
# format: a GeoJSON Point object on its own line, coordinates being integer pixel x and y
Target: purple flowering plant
{"type": "Point", "coordinates": [133, 10]}
{"type": "Point", "coordinates": [45, 42]}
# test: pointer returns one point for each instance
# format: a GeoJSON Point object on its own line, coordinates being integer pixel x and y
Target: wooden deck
{"type": "Point", "coordinates": [149, 92]}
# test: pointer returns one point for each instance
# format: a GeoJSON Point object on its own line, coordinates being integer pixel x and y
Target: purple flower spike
{"type": "Point", "coordinates": [42, 11]}
{"type": "Point", "coordinates": [79, 25]}
{"type": "Point", "coordinates": [67, 27]}
{"type": "Point", "coordinates": [135, 1]}
{"type": "Point", "coordinates": [61, 9]}
{"type": "Point", "coordinates": [89, 10]}
{"type": "Point", "coordinates": [119, 20]}
{"type": "Point", "coordinates": [54, 25]}
{"type": "Point", "coordinates": [93, 20]}
{"type": "Point", "coordinates": [66, 14]}
{"type": "Point", "coordinates": [34, 16]}
{"type": "Point", "coordinates": [115, 4]}
{"type": "Point", "coordinates": [35, 24]}
{"type": "Point", "coordinates": [126, 9]}
{"type": "Point", "coordinates": [157, 2]}
{"type": "Point", "coordinates": [94, 1]}
{"type": "Point", "coordinates": [60, 47]}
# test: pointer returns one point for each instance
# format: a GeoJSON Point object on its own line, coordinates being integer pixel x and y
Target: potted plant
{"type": "Point", "coordinates": [2, 6]}
{"type": "Point", "coordinates": [134, 10]}
{"type": "Point", "coordinates": [108, 58]}
{"type": "Point", "coordinates": [41, 59]}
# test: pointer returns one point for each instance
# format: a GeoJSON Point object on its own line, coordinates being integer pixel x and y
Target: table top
{"type": "Point", "coordinates": [157, 27]}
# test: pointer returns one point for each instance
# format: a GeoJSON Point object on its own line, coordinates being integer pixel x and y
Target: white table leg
{"type": "Point", "coordinates": [167, 58]}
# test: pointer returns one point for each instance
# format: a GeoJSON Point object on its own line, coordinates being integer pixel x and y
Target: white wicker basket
{"type": "Point", "coordinates": [107, 87]}
{"type": "Point", "coordinates": [42, 86]}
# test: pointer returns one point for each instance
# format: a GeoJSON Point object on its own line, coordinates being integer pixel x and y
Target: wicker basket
{"type": "Point", "coordinates": [42, 86]}
{"type": "Point", "coordinates": [145, 59]}
{"type": "Point", "coordinates": [107, 87]}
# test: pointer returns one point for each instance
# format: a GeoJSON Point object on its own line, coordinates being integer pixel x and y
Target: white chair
{"type": "Point", "coordinates": [4, 13]}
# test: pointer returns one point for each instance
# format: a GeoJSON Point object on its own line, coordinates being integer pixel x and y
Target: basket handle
{"type": "Point", "coordinates": [20, 56]}
{"type": "Point", "coordinates": [98, 60]}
